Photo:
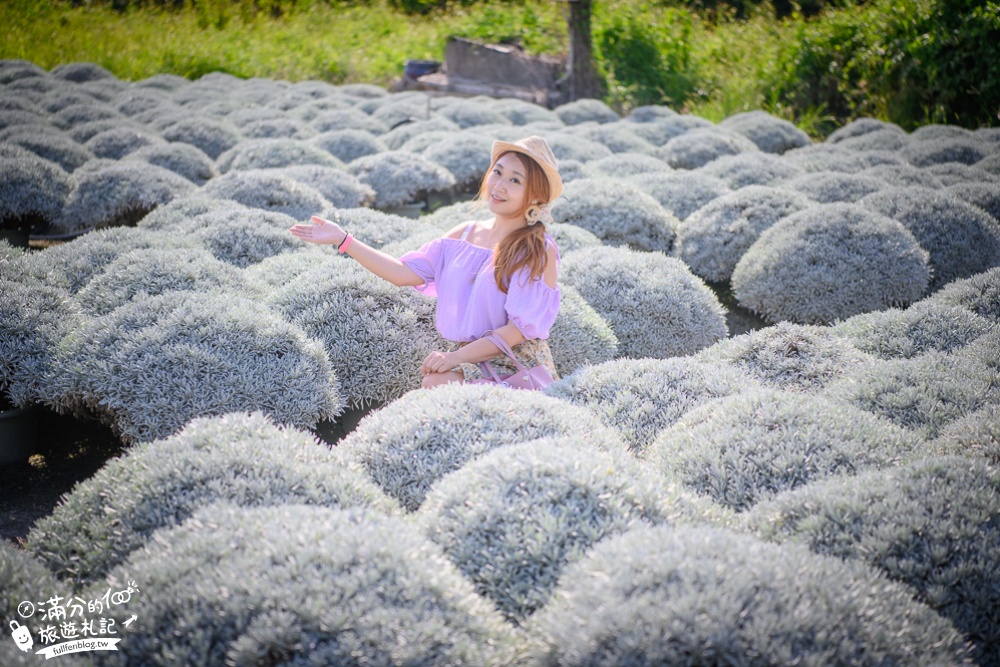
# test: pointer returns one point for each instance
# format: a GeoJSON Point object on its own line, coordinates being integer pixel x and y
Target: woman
{"type": "Point", "coordinates": [497, 275]}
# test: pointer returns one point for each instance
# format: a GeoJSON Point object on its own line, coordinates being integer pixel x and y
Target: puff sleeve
{"type": "Point", "coordinates": [532, 305]}
{"type": "Point", "coordinates": [426, 263]}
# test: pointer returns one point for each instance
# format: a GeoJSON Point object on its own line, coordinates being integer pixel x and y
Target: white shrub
{"type": "Point", "coordinates": [641, 397]}
{"type": "Point", "coordinates": [31, 188]}
{"type": "Point", "coordinates": [242, 238]}
{"type": "Point", "coordinates": [283, 127]}
{"type": "Point", "coordinates": [742, 449]}
{"type": "Point", "coordinates": [750, 168]}
{"type": "Point", "coordinates": [696, 148]}
{"type": "Point", "coordinates": [975, 434]}
{"type": "Point", "coordinates": [268, 189]}
{"type": "Point", "coordinates": [990, 164]}
{"type": "Point", "coordinates": [654, 304]}
{"type": "Point", "coordinates": [84, 132]}
{"type": "Point", "coordinates": [861, 126]}
{"type": "Point", "coordinates": [341, 189]}
{"type": "Point", "coordinates": [886, 139]}
{"type": "Point", "coordinates": [950, 173]}
{"type": "Point", "coordinates": [402, 107]}
{"type": "Point", "coordinates": [962, 239]}
{"type": "Point", "coordinates": [649, 113]}
{"type": "Point", "coordinates": [616, 212]}
{"type": "Point", "coordinates": [80, 72]}
{"type": "Point", "coordinates": [964, 149]}
{"type": "Point", "coordinates": [828, 187]}
{"type": "Point", "coordinates": [796, 269]}
{"type": "Point", "coordinates": [584, 110]}
{"type": "Point", "coordinates": [184, 159]}
{"type": "Point", "coordinates": [622, 165]}
{"type": "Point", "coordinates": [73, 112]}
{"type": "Point", "coordinates": [572, 237]}
{"type": "Point", "coordinates": [472, 113]}
{"type": "Point", "coordinates": [400, 134]}
{"type": "Point", "coordinates": [901, 175]}
{"type": "Point", "coordinates": [567, 145]}
{"type": "Point", "coordinates": [984, 195]}
{"type": "Point", "coordinates": [213, 136]}
{"type": "Point", "coordinates": [117, 143]}
{"type": "Point", "coordinates": [269, 153]}
{"type": "Point", "coordinates": [50, 144]}
{"type": "Point", "coordinates": [660, 130]}
{"type": "Point", "coordinates": [682, 193]}
{"type": "Point", "coordinates": [179, 216]}
{"type": "Point", "coordinates": [769, 133]}
{"type": "Point", "coordinates": [519, 112]}
{"type": "Point", "coordinates": [713, 239]}
{"type": "Point", "coordinates": [829, 157]}
{"type": "Point", "coordinates": [414, 441]}
{"type": "Point", "coordinates": [465, 154]}
{"type": "Point", "coordinates": [979, 294]}
{"type": "Point", "coordinates": [349, 144]}
{"type": "Point", "coordinates": [400, 178]}
{"type": "Point", "coordinates": [580, 336]}
{"type": "Point", "coordinates": [617, 136]}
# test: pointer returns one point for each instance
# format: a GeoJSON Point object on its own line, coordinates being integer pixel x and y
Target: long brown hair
{"type": "Point", "coordinates": [524, 247]}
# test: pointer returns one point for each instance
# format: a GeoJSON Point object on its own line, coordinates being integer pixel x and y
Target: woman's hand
{"type": "Point", "coordinates": [321, 231]}
{"type": "Point", "coordinates": [438, 362]}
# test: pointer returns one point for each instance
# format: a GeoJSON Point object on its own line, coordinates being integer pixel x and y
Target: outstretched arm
{"type": "Point", "coordinates": [382, 265]}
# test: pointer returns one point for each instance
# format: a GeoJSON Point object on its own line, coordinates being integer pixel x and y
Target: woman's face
{"type": "Point", "coordinates": [506, 187]}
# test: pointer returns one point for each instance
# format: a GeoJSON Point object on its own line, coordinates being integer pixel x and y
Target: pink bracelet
{"type": "Point", "coordinates": [345, 244]}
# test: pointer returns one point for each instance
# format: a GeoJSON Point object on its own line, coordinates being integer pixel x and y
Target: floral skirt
{"type": "Point", "coordinates": [531, 353]}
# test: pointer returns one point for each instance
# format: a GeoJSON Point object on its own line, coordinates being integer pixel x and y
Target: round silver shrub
{"type": "Point", "coordinates": [751, 168]}
{"type": "Point", "coordinates": [156, 363]}
{"type": "Point", "coordinates": [347, 119]}
{"type": "Point", "coordinates": [617, 212]}
{"type": "Point", "coordinates": [681, 193]}
{"type": "Point", "coordinates": [704, 596]}
{"type": "Point", "coordinates": [796, 268]}
{"type": "Point", "coordinates": [979, 294]}
{"type": "Point", "coordinates": [179, 216]}
{"type": "Point", "coordinates": [214, 136]}
{"type": "Point", "coordinates": [120, 193]}
{"type": "Point", "coordinates": [990, 164]}
{"type": "Point", "coordinates": [23, 578]}
{"type": "Point", "coordinates": [242, 238]}
{"type": "Point", "coordinates": [84, 132]}
{"type": "Point", "coordinates": [933, 525]}
{"type": "Point", "coordinates": [414, 441]}
{"type": "Point", "coordinates": [894, 333]}
{"type": "Point", "coordinates": [117, 143]}
{"type": "Point", "coordinates": [404, 107]}
{"type": "Point", "coordinates": [878, 140]}
{"type": "Point", "coordinates": [32, 190]}
{"type": "Point", "coordinates": [271, 153]}
{"type": "Point", "coordinates": [621, 165]}
{"type": "Point", "coordinates": [80, 72]}
{"type": "Point", "coordinates": [962, 149]}
{"type": "Point", "coordinates": [861, 126]}
{"type": "Point", "coordinates": [513, 519]}
{"type": "Point", "coordinates": [75, 112]}
{"type": "Point", "coordinates": [283, 127]}
{"type": "Point", "coordinates": [641, 397]}
{"type": "Point", "coordinates": [962, 239]}
{"type": "Point", "coordinates": [276, 271]}
{"type": "Point", "coordinates": [571, 237]}
{"type": "Point", "coordinates": [472, 113]}
{"type": "Point", "coordinates": [568, 145]}
{"type": "Point", "coordinates": [184, 159]}
{"type": "Point", "coordinates": [347, 145]}
{"type": "Point", "coordinates": [975, 434]}
{"type": "Point", "coordinates": [743, 449]}
{"type": "Point", "coordinates": [50, 144]}
{"type": "Point", "coordinates": [795, 357]}
{"type": "Point", "coordinates": [579, 336]}
{"type": "Point", "coordinates": [902, 175]}
{"type": "Point", "coordinates": [951, 173]}
{"type": "Point", "coordinates": [617, 136]}
{"type": "Point", "coordinates": [399, 177]}
{"type": "Point", "coordinates": [377, 228]}
{"type": "Point", "coordinates": [829, 157]}
{"type": "Point", "coordinates": [519, 112]}
{"type": "Point", "coordinates": [984, 195]}
{"type": "Point", "coordinates": [376, 334]}
{"type": "Point", "coordinates": [584, 110]}
{"type": "Point", "coordinates": [654, 304]}
{"type": "Point", "coordinates": [713, 239]}
{"type": "Point", "coordinates": [465, 154]}
{"type": "Point", "coordinates": [344, 587]}
{"type": "Point", "coordinates": [696, 148]}
{"type": "Point", "coordinates": [404, 132]}
{"type": "Point", "coordinates": [336, 186]}
{"type": "Point", "coordinates": [267, 189]}
{"type": "Point", "coordinates": [828, 187]}
{"type": "Point", "coordinates": [241, 459]}
{"type": "Point", "coordinates": [769, 133]}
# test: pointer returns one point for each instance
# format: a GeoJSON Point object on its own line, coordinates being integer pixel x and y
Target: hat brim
{"type": "Point", "coordinates": [551, 172]}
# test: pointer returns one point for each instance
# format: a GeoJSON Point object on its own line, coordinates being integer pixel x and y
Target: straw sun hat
{"type": "Point", "coordinates": [538, 150]}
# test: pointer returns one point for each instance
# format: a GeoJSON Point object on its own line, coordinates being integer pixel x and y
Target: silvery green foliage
{"type": "Point", "coordinates": [180, 216]}
{"type": "Point", "coordinates": [84, 132]}
{"type": "Point", "coordinates": [273, 273]}
{"type": "Point", "coordinates": [621, 165]}
{"type": "Point", "coordinates": [413, 442]}
{"type": "Point", "coordinates": [348, 119]}
{"type": "Point", "coordinates": [73, 113]}
{"type": "Point", "coordinates": [617, 136]}
{"type": "Point", "coordinates": [242, 459]}
{"type": "Point", "coordinates": [796, 269]}
{"type": "Point", "coordinates": [400, 177]}
{"type": "Point", "coordinates": [584, 110]}
{"type": "Point", "coordinates": [403, 107]}
{"type": "Point", "coordinates": [139, 99]}
{"type": "Point", "coordinates": [472, 113]}
{"type": "Point", "coordinates": [421, 142]}
{"type": "Point", "coordinates": [282, 127]}
{"type": "Point", "coordinates": [338, 187]}
{"type": "Point", "coordinates": [927, 392]}
{"type": "Point", "coordinates": [214, 136]}
{"type": "Point", "coordinates": [344, 587]}
{"type": "Point", "coordinates": [682, 193]}
{"type": "Point", "coordinates": [245, 116]}
{"type": "Point", "coordinates": [713, 239]}
{"type": "Point", "coordinates": [375, 333]}
{"type": "Point", "coordinates": [568, 145]}
{"type": "Point", "coordinates": [571, 237]}
{"type": "Point", "coordinates": [310, 110]}
{"type": "Point", "coordinates": [71, 265]}
{"type": "Point", "coordinates": [984, 195]}
{"type": "Point", "coordinates": [571, 170]}
{"type": "Point", "coordinates": [932, 525]}
{"type": "Point", "coordinates": [376, 228]}
{"type": "Point", "coordinates": [950, 173]}
{"type": "Point", "coordinates": [975, 434]}
{"type": "Point", "coordinates": [184, 159]}
{"type": "Point", "coordinates": [901, 175]}
{"type": "Point", "coordinates": [859, 127]}
{"type": "Point", "coordinates": [641, 397]}
{"type": "Point", "coordinates": [465, 154]}
{"type": "Point", "coordinates": [17, 120]}
{"type": "Point", "coordinates": [31, 188]}
{"type": "Point", "coordinates": [703, 596]}
{"type": "Point", "coordinates": [519, 112]}
{"type": "Point", "coordinates": [962, 239]}
{"type": "Point", "coordinates": [743, 449]}
{"type": "Point", "coordinates": [33, 319]}
{"type": "Point", "coordinates": [660, 130]}
{"type": "Point", "coordinates": [893, 333]}
{"type": "Point", "coordinates": [118, 194]}
{"type": "Point", "coordinates": [696, 148]}
{"type": "Point", "coordinates": [269, 153]}
{"type": "Point", "coordinates": [769, 133]}
{"type": "Point", "coordinates": [794, 357]}
{"type": "Point", "coordinates": [579, 336]}
{"type": "Point", "coordinates": [158, 362]}
{"type": "Point", "coordinates": [935, 132]}
{"type": "Point", "coordinates": [12, 69]}
{"type": "Point", "coordinates": [878, 140]}
{"type": "Point", "coordinates": [400, 134]}
{"type": "Point", "coordinates": [242, 238]}
{"type": "Point", "coordinates": [80, 72]}
{"type": "Point", "coordinates": [979, 294]}
{"type": "Point", "coordinates": [349, 144]}
{"type": "Point", "coordinates": [50, 144]}
{"type": "Point", "coordinates": [990, 164]}
{"type": "Point", "coordinates": [448, 216]}
{"type": "Point", "coordinates": [828, 187]}
{"type": "Point", "coordinates": [116, 144]}
{"type": "Point", "coordinates": [267, 189]}
{"type": "Point", "coordinates": [654, 304]}
{"type": "Point", "coordinates": [649, 113]}
{"type": "Point", "coordinates": [617, 212]}
{"type": "Point", "coordinates": [830, 157]}
{"type": "Point", "coordinates": [514, 518]}
{"type": "Point", "coordinates": [750, 168]}
{"type": "Point", "coordinates": [927, 152]}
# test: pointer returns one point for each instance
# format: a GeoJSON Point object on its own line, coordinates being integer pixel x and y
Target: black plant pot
{"type": "Point", "coordinates": [18, 432]}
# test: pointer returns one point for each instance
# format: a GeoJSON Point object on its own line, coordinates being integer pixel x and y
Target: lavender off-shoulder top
{"type": "Point", "coordinates": [469, 303]}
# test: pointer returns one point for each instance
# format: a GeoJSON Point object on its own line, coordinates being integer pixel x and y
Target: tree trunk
{"type": "Point", "coordinates": [581, 76]}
